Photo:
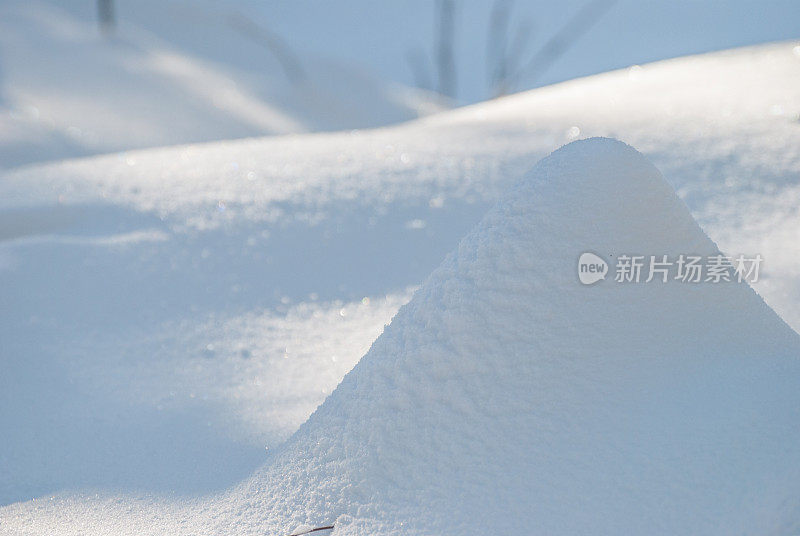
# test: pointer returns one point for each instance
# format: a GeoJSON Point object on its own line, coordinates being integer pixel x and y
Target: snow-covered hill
{"type": "Point", "coordinates": [168, 313]}
{"type": "Point", "coordinates": [67, 91]}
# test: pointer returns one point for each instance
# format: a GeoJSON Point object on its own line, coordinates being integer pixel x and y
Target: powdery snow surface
{"type": "Point", "coordinates": [507, 394]}
{"type": "Point", "coordinates": [507, 397]}
{"type": "Point", "coordinates": [169, 313]}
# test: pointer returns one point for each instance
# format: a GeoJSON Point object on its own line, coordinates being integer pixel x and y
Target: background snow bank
{"type": "Point", "coordinates": [386, 34]}
{"type": "Point", "coordinates": [66, 91]}
{"type": "Point", "coordinates": [182, 71]}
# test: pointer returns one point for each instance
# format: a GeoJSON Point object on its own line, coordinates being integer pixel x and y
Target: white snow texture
{"type": "Point", "coordinates": [506, 397]}
{"type": "Point", "coordinates": [168, 313]}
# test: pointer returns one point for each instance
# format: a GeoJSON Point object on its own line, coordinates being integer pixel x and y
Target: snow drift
{"type": "Point", "coordinates": [506, 397]}
{"type": "Point", "coordinates": [167, 313]}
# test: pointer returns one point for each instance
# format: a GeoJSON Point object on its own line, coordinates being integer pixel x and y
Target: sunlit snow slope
{"type": "Point", "coordinates": [166, 314]}
{"type": "Point", "coordinates": [507, 393]}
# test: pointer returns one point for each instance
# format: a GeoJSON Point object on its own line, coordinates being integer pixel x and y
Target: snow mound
{"type": "Point", "coordinates": [507, 397]}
